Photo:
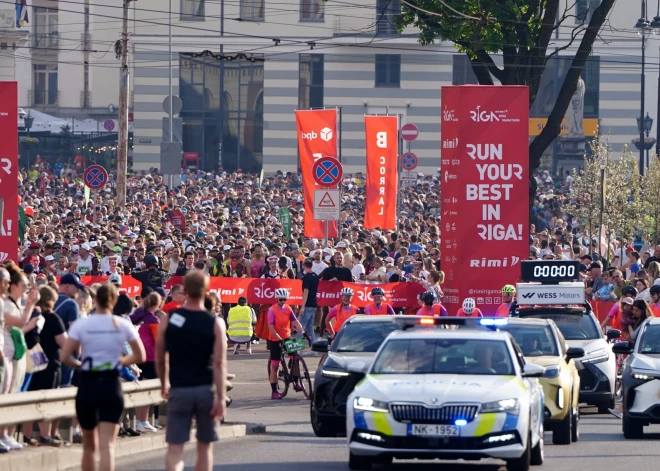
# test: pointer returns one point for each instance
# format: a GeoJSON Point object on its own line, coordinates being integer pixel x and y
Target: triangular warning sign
{"type": "Point", "coordinates": [326, 201]}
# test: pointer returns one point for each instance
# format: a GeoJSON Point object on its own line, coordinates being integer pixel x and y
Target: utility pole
{"type": "Point", "coordinates": [122, 160]}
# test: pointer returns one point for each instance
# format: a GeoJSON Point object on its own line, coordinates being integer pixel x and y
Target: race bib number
{"type": "Point", "coordinates": [177, 319]}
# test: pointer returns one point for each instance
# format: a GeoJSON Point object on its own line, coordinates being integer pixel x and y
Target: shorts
{"type": "Point", "coordinates": [276, 350]}
{"type": "Point", "coordinates": [99, 399]}
{"type": "Point", "coordinates": [148, 370]}
{"type": "Point", "coordinates": [47, 379]}
{"type": "Point", "coordinates": [185, 403]}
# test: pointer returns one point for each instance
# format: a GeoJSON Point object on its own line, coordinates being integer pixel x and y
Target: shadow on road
{"type": "Point", "coordinates": [334, 465]}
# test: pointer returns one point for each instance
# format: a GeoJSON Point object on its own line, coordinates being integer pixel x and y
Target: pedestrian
{"type": "Point", "coordinates": [191, 358]}
{"type": "Point", "coordinates": [241, 320]}
{"type": "Point", "coordinates": [310, 284]}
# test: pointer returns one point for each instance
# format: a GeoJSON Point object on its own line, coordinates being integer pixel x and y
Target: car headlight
{"type": "Point", "coordinates": [510, 406]}
{"type": "Point", "coordinates": [368, 404]}
{"type": "Point", "coordinates": [552, 371]}
{"type": "Point", "coordinates": [642, 375]}
{"type": "Point", "coordinates": [597, 356]}
{"type": "Point", "coordinates": [333, 373]}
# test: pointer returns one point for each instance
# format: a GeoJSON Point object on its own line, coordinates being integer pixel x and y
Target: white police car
{"type": "Point", "coordinates": [447, 394]}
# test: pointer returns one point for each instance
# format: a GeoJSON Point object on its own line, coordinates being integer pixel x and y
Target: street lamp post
{"type": "Point", "coordinates": [644, 27]}
{"type": "Point", "coordinates": [644, 127]}
{"type": "Point", "coordinates": [655, 24]}
{"type": "Point", "coordinates": [28, 120]}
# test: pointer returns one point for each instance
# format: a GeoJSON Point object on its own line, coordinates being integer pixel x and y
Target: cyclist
{"type": "Point", "coordinates": [430, 307]}
{"type": "Point", "coordinates": [280, 319]}
{"type": "Point", "coordinates": [469, 309]}
{"type": "Point", "coordinates": [621, 311]}
{"type": "Point", "coordinates": [341, 312]}
{"type": "Point", "coordinates": [508, 292]}
{"type": "Point", "coordinates": [378, 307]}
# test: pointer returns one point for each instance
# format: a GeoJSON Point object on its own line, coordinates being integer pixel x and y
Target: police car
{"type": "Point", "coordinates": [447, 394]}
{"type": "Point", "coordinates": [641, 379]}
{"type": "Point", "coordinates": [551, 291]}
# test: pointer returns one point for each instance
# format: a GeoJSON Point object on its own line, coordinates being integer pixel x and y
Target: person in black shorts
{"type": "Point", "coordinates": [100, 400]}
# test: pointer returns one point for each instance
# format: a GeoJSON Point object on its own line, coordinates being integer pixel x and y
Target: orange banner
{"type": "Point", "coordinates": [317, 137]}
{"type": "Point", "coordinates": [382, 161]}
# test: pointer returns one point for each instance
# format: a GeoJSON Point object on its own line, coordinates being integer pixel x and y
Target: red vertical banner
{"type": "Point", "coordinates": [9, 170]}
{"type": "Point", "coordinates": [485, 191]}
{"type": "Point", "coordinates": [382, 182]}
{"type": "Point", "coordinates": [317, 137]}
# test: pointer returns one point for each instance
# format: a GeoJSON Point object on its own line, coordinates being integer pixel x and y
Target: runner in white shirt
{"type": "Point", "coordinates": [84, 262]}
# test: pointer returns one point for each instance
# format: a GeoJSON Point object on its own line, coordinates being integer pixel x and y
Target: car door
{"type": "Point", "coordinates": [535, 395]}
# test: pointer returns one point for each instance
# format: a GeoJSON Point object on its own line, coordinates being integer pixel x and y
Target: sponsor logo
{"type": "Point", "coordinates": [529, 295]}
{"type": "Point", "coordinates": [445, 162]}
{"type": "Point", "coordinates": [450, 144]}
{"type": "Point", "coordinates": [494, 263]}
{"type": "Point", "coordinates": [491, 116]}
{"type": "Point", "coordinates": [449, 116]}
{"type": "Point", "coordinates": [310, 136]}
{"type": "Point", "coordinates": [326, 134]}
{"type": "Point", "coordinates": [449, 176]}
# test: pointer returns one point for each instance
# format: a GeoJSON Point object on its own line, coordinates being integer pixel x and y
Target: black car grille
{"type": "Point", "coordinates": [588, 380]}
{"type": "Point", "coordinates": [441, 415]}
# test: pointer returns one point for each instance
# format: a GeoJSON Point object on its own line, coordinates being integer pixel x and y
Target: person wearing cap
{"type": "Point", "coordinates": [595, 272]}
{"type": "Point", "coordinates": [318, 265]}
{"type": "Point", "coordinates": [241, 320]}
{"type": "Point", "coordinates": [109, 251]}
{"type": "Point", "coordinates": [83, 264]}
{"type": "Point", "coordinates": [620, 316]}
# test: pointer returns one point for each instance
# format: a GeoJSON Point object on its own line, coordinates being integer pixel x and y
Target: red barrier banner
{"type": "Point", "coordinates": [382, 161]}
{"type": "Point", "coordinates": [9, 171]}
{"type": "Point", "coordinates": [485, 201]}
{"type": "Point", "coordinates": [317, 137]}
{"type": "Point", "coordinates": [262, 291]}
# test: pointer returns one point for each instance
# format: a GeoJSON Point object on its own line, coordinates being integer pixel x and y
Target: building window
{"type": "Point", "coordinates": [46, 28]}
{"type": "Point", "coordinates": [252, 10]}
{"type": "Point", "coordinates": [192, 10]}
{"type": "Point", "coordinates": [462, 73]}
{"type": "Point", "coordinates": [386, 13]}
{"type": "Point", "coordinates": [45, 84]}
{"type": "Point", "coordinates": [312, 10]}
{"type": "Point", "coordinates": [388, 70]}
{"type": "Point", "coordinates": [310, 81]}
{"type": "Point", "coordinates": [584, 10]}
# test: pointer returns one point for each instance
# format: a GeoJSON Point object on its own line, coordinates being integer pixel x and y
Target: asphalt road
{"type": "Point", "coordinates": [290, 443]}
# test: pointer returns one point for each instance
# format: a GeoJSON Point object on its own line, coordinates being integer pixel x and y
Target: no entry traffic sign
{"type": "Point", "coordinates": [95, 177]}
{"type": "Point", "coordinates": [327, 172]}
{"type": "Point", "coordinates": [409, 161]}
{"type": "Point", "coordinates": [409, 132]}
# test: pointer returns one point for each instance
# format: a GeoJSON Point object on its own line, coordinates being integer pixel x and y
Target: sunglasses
{"type": "Point", "coordinates": [282, 300]}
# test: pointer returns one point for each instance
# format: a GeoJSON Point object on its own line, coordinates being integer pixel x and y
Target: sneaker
{"type": "Point", "coordinates": [297, 387]}
{"type": "Point", "coordinates": [249, 351]}
{"type": "Point", "coordinates": [78, 438]}
{"type": "Point", "coordinates": [49, 441]}
{"type": "Point", "coordinates": [144, 426]}
{"type": "Point", "coordinates": [29, 441]}
{"type": "Point", "coordinates": [132, 433]}
{"type": "Point", "coordinates": [236, 350]}
{"type": "Point", "coordinates": [11, 443]}
{"type": "Point", "coordinates": [64, 442]}
{"type": "Point", "coordinates": [275, 395]}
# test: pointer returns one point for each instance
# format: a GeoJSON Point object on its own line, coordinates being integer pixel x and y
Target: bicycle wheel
{"type": "Point", "coordinates": [305, 378]}
{"type": "Point", "coordinates": [283, 380]}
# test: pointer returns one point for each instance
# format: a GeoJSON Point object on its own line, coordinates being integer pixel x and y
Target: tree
{"type": "Point", "coordinates": [651, 199]}
{"type": "Point", "coordinates": [521, 30]}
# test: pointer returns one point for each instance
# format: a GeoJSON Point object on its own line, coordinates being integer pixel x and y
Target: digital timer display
{"type": "Point", "coordinates": [549, 271]}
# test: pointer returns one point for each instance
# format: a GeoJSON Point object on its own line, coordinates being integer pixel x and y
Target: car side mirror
{"type": "Point", "coordinates": [321, 346]}
{"type": "Point", "coordinates": [622, 348]}
{"type": "Point", "coordinates": [358, 368]}
{"type": "Point", "coordinates": [533, 371]}
{"type": "Point", "coordinates": [613, 334]}
{"type": "Point", "coordinates": [574, 352]}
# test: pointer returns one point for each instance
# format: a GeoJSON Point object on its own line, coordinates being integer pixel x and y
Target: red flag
{"type": "Point", "coordinates": [8, 170]}
{"type": "Point", "coordinates": [382, 160]}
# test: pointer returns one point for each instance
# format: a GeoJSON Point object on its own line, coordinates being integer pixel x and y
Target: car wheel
{"type": "Point", "coordinates": [538, 453]}
{"type": "Point", "coordinates": [575, 429]}
{"type": "Point", "coordinates": [632, 428]}
{"type": "Point", "coordinates": [384, 460]}
{"type": "Point", "coordinates": [605, 408]}
{"type": "Point", "coordinates": [358, 462]}
{"type": "Point", "coordinates": [562, 431]}
{"type": "Point", "coordinates": [322, 427]}
{"type": "Point", "coordinates": [522, 463]}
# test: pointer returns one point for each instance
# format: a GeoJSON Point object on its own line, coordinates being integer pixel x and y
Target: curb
{"type": "Point", "coordinates": [63, 459]}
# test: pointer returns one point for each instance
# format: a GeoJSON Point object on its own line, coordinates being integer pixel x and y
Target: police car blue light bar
{"type": "Point", "coordinates": [410, 321]}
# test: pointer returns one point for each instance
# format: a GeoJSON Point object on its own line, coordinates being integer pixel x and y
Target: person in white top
{"type": "Point", "coordinates": [84, 262]}
{"type": "Point", "coordinates": [108, 249]}
{"type": "Point", "coordinates": [318, 265]}
{"type": "Point", "coordinates": [358, 270]}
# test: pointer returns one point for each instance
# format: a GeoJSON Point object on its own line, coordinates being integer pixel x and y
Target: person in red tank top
{"type": "Point", "coordinates": [469, 309]}
{"type": "Point", "coordinates": [378, 307]}
{"type": "Point", "coordinates": [429, 306]}
{"type": "Point", "coordinates": [341, 313]}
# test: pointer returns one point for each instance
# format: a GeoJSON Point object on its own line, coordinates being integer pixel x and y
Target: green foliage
{"type": "Point", "coordinates": [650, 189]}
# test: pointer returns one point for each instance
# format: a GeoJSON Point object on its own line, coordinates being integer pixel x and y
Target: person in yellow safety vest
{"type": "Point", "coordinates": [508, 292]}
{"type": "Point", "coordinates": [240, 325]}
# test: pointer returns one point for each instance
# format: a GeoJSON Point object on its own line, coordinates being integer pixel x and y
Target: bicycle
{"type": "Point", "coordinates": [290, 362]}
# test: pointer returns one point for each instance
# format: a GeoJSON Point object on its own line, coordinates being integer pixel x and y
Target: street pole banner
{"type": "Point", "coordinates": [317, 137]}
{"type": "Point", "coordinates": [382, 182]}
{"type": "Point", "coordinates": [485, 192]}
{"type": "Point", "coordinates": [9, 171]}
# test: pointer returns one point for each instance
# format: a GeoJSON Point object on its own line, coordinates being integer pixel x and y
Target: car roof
{"type": "Point", "coordinates": [359, 318]}
{"type": "Point", "coordinates": [538, 311]}
{"type": "Point", "coordinates": [527, 321]}
{"type": "Point", "coordinates": [450, 334]}
{"type": "Point", "coordinates": [654, 321]}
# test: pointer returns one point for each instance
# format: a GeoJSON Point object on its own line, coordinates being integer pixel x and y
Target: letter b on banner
{"type": "Point", "coordinates": [381, 140]}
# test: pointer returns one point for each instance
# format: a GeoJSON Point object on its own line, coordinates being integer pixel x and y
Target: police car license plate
{"type": "Point", "coordinates": [428, 430]}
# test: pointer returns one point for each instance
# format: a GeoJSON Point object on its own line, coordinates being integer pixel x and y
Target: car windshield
{"type": "Point", "coordinates": [444, 356]}
{"type": "Point", "coordinates": [574, 326]}
{"type": "Point", "coordinates": [363, 336]}
{"type": "Point", "coordinates": [534, 341]}
{"type": "Point", "coordinates": [650, 341]}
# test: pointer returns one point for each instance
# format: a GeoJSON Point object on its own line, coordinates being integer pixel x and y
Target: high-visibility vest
{"type": "Point", "coordinates": [503, 310]}
{"type": "Point", "coordinates": [655, 309]}
{"type": "Point", "coordinates": [434, 311]}
{"type": "Point", "coordinates": [343, 315]}
{"type": "Point", "coordinates": [239, 322]}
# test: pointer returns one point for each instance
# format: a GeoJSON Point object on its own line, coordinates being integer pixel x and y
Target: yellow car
{"type": "Point", "coordinates": [542, 343]}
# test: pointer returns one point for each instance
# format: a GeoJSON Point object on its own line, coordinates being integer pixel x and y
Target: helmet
{"type": "Point", "coordinates": [508, 289]}
{"type": "Point", "coordinates": [469, 305]}
{"type": "Point", "coordinates": [655, 289]}
{"type": "Point", "coordinates": [346, 292]}
{"type": "Point", "coordinates": [427, 298]}
{"type": "Point", "coordinates": [377, 291]}
{"type": "Point", "coordinates": [115, 279]}
{"type": "Point", "coordinates": [151, 261]}
{"type": "Point", "coordinates": [282, 293]}
{"type": "Point", "coordinates": [629, 291]}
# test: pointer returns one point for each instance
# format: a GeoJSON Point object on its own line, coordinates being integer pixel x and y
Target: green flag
{"type": "Point", "coordinates": [284, 217]}
{"type": "Point", "coordinates": [21, 224]}
{"type": "Point", "coordinates": [86, 195]}
{"type": "Point", "coordinates": [261, 178]}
